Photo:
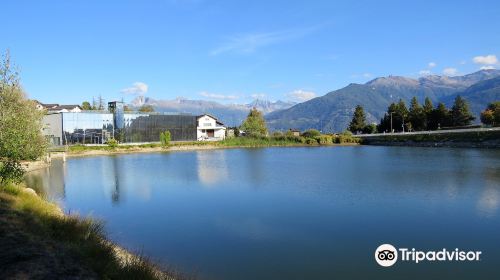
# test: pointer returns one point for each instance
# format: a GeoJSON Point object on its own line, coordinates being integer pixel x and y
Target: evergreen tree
{"type": "Point", "coordinates": [396, 115]}
{"type": "Point", "coordinates": [460, 114]}
{"type": "Point", "coordinates": [254, 125]}
{"type": "Point", "coordinates": [358, 122]}
{"type": "Point", "coordinates": [401, 116]}
{"type": "Point", "coordinates": [440, 117]}
{"type": "Point", "coordinates": [416, 115]}
{"type": "Point", "coordinates": [428, 108]}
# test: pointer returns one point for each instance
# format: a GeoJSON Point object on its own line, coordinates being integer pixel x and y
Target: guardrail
{"type": "Point", "coordinates": [485, 129]}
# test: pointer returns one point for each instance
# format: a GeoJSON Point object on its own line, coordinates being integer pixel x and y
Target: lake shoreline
{"type": "Point", "coordinates": [174, 148]}
{"type": "Point", "coordinates": [45, 234]}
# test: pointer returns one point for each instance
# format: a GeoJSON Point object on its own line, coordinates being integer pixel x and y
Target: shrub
{"type": "Point", "coordinates": [11, 171]}
{"type": "Point", "coordinates": [112, 143]}
{"type": "Point", "coordinates": [311, 133]}
{"type": "Point", "coordinates": [165, 138]}
{"type": "Point", "coordinates": [311, 141]}
{"type": "Point", "coordinates": [346, 137]}
{"type": "Point", "coordinates": [325, 139]}
{"type": "Point", "coordinates": [370, 129]}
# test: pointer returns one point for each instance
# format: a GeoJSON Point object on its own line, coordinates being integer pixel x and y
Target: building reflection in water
{"type": "Point", "coordinates": [50, 181]}
{"type": "Point", "coordinates": [212, 167]}
{"type": "Point", "coordinates": [115, 195]}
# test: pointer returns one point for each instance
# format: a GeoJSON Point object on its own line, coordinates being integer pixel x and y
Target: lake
{"type": "Point", "coordinates": [291, 213]}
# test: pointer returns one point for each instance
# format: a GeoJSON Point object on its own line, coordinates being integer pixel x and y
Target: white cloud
{"type": "Point", "coordinates": [300, 95]}
{"type": "Point", "coordinates": [367, 75]}
{"type": "Point", "coordinates": [488, 67]}
{"type": "Point", "coordinates": [450, 71]}
{"type": "Point", "coordinates": [218, 96]}
{"type": "Point", "coordinates": [258, 95]}
{"type": "Point", "coordinates": [487, 59]}
{"type": "Point", "coordinates": [248, 43]}
{"type": "Point", "coordinates": [138, 88]}
{"type": "Point", "coordinates": [424, 72]}
{"type": "Point", "coordinates": [432, 64]}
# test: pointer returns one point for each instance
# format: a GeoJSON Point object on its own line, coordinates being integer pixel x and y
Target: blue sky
{"type": "Point", "coordinates": [234, 51]}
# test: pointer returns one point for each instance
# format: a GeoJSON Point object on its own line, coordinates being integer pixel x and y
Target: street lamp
{"type": "Point", "coordinates": [391, 122]}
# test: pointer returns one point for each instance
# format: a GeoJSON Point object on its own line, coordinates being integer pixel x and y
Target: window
{"type": "Point", "coordinates": [207, 124]}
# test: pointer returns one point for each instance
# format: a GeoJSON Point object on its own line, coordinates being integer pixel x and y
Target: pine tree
{"type": "Point", "coordinates": [417, 115]}
{"type": "Point", "coordinates": [358, 122]}
{"type": "Point", "coordinates": [440, 117]}
{"type": "Point", "coordinates": [428, 108]}
{"type": "Point", "coordinates": [460, 114]}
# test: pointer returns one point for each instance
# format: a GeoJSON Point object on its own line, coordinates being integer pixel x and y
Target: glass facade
{"type": "Point", "coordinates": [147, 128]}
{"type": "Point", "coordinates": [87, 127]}
{"type": "Point", "coordinates": [98, 127]}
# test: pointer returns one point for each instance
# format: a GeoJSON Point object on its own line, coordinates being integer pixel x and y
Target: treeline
{"type": "Point", "coordinates": [400, 118]}
{"type": "Point", "coordinates": [255, 133]}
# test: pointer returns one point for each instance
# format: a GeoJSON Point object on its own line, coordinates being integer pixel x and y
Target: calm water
{"type": "Point", "coordinates": [292, 213]}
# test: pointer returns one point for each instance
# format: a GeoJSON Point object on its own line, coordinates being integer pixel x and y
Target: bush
{"type": "Point", "coordinates": [324, 139]}
{"type": "Point", "coordinates": [311, 141]}
{"type": "Point", "coordinates": [311, 133]}
{"type": "Point", "coordinates": [165, 138]}
{"type": "Point", "coordinates": [346, 137]}
{"type": "Point", "coordinates": [370, 129]}
{"type": "Point", "coordinates": [11, 171]}
{"type": "Point", "coordinates": [112, 143]}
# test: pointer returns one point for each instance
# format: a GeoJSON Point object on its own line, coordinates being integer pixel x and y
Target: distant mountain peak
{"type": "Point", "coordinates": [393, 80]}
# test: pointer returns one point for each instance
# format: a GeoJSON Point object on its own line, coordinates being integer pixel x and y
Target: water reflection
{"type": "Point", "coordinates": [49, 181]}
{"type": "Point", "coordinates": [212, 167]}
{"type": "Point", "coordinates": [313, 212]}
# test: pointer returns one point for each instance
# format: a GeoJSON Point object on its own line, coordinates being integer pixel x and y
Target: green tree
{"type": "Point", "coordinates": [86, 106]}
{"type": "Point", "coordinates": [20, 125]}
{"type": "Point", "coordinates": [358, 122]}
{"type": "Point", "coordinates": [440, 117]}
{"type": "Point", "coordinates": [146, 109]}
{"type": "Point", "coordinates": [491, 116]}
{"type": "Point", "coordinates": [370, 128]}
{"type": "Point", "coordinates": [460, 114]}
{"type": "Point", "coordinates": [165, 138]}
{"type": "Point", "coordinates": [417, 115]}
{"type": "Point", "coordinates": [254, 125]}
{"type": "Point", "coordinates": [428, 108]}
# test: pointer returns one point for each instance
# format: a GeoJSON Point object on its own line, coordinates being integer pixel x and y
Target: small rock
{"type": "Point", "coordinates": [29, 191]}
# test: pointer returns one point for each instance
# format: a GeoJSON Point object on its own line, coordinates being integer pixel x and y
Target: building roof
{"type": "Point", "coordinates": [63, 107]}
{"type": "Point", "coordinates": [216, 120]}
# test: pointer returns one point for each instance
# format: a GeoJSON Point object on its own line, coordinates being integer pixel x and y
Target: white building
{"type": "Point", "coordinates": [209, 128]}
{"type": "Point", "coordinates": [56, 108]}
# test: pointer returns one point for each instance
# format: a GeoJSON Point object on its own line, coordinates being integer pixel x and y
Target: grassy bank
{"type": "Point", "coordinates": [465, 139]}
{"type": "Point", "coordinates": [37, 241]}
{"type": "Point", "coordinates": [276, 140]}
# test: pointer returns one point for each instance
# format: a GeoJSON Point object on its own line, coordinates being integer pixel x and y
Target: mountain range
{"type": "Point", "coordinates": [333, 111]}
{"type": "Point", "coordinates": [229, 114]}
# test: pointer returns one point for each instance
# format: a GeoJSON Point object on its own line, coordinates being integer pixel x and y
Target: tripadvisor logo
{"type": "Point", "coordinates": [387, 255]}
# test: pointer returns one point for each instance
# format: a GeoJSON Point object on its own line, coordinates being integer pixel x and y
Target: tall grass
{"type": "Point", "coordinates": [84, 238]}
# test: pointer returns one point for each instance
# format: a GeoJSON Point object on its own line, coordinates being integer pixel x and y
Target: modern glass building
{"type": "Point", "coordinates": [97, 127]}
